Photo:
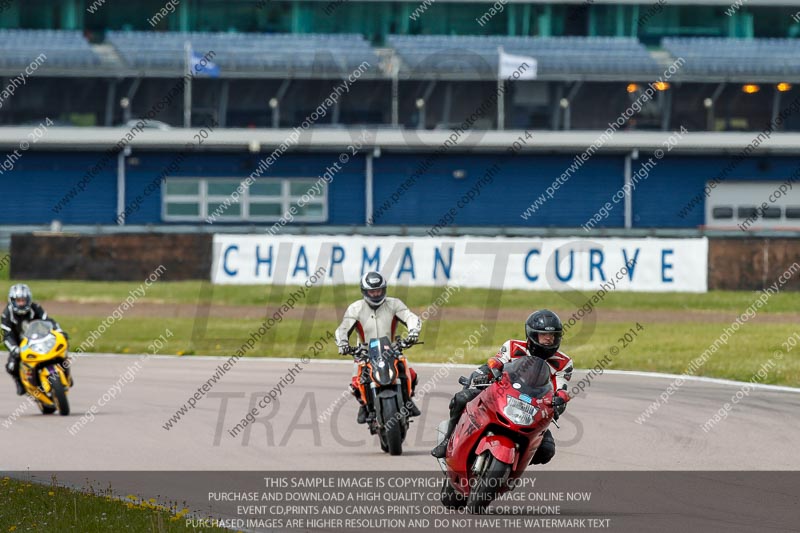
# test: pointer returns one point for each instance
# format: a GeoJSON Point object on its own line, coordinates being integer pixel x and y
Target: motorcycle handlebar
{"type": "Point", "coordinates": [556, 401]}
{"type": "Point", "coordinates": [361, 350]}
{"type": "Point", "coordinates": [469, 382]}
{"type": "Point", "coordinates": [402, 344]}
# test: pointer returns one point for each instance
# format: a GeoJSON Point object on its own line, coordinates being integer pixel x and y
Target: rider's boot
{"type": "Point", "coordinates": [413, 410]}
{"type": "Point", "coordinates": [441, 449]}
{"type": "Point", "coordinates": [362, 415]}
{"type": "Point", "coordinates": [20, 388]}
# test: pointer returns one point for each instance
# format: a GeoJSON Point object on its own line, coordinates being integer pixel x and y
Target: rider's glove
{"type": "Point", "coordinates": [13, 357]}
{"type": "Point", "coordinates": [478, 377]}
{"type": "Point", "coordinates": [495, 368]}
{"type": "Point", "coordinates": [11, 366]}
{"type": "Point", "coordinates": [344, 348]}
{"type": "Point", "coordinates": [564, 396]}
{"type": "Point", "coordinates": [413, 336]}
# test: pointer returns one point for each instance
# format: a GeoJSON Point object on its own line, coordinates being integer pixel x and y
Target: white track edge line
{"type": "Point", "coordinates": [660, 375]}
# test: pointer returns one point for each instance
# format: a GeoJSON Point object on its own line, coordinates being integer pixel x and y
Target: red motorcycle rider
{"type": "Point", "coordinates": [543, 330]}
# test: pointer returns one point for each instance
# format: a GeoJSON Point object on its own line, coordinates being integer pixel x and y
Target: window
{"type": "Point", "coordinates": [722, 212]}
{"type": "Point", "coordinates": [181, 200]}
{"type": "Point", "coordinates": [746, 212]}
{"type": "Point", "coordinates": [220, 199]}
{"type": "Point", "coordinates": [753, 203]}
{"type": "Point", "coordinates": [793, 212]}
{"type": "Point", "coordinates": [225, 199]}
{"type": "Point", "coordinates": [266, 199]}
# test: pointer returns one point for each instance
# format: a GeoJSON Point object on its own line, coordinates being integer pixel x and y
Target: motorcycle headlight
{"type": "Point", "coordinates": [43, 346]}
{"type": "Point", "coordinates": [387, 367]}
{"type": "Point", "coordinates": [519, 412]}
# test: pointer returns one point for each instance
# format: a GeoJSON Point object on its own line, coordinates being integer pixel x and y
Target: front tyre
{"type": "Point", "coordinates": [45, 409]}
{"type": "Point", "coordinates": [451, 498]}
{"type": "Point", "coordinates": [392, 431]}
{"type": "Point", "coordinates": [487, 487]}
{"type": "Point", "coordinates": [60, 398]}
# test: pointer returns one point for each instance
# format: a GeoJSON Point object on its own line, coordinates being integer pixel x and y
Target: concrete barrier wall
{"type": "Point", "coordinates": [751, 263]}
{"type": "Point", "coordinates": [112, 257]}
{"type": "Point", "coordinates": [733, 263]}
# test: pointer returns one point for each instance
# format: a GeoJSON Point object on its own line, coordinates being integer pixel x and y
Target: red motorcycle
{"type": "Point", "coordinates": [498, 433]}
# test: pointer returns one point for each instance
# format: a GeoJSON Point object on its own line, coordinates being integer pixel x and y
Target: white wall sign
{"type": "Point", "coordinates": [511, 263]}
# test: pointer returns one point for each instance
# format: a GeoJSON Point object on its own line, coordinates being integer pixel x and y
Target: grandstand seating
{"type": "Point", "coordinates": [455, 54]}
{"type": "Point", "coordinates": [422, 56]}
{"type": "Point", "coordinates": [62, 48]}
{"type": "Point", "coordinates": [723, 56]}
{"type": "Point", "coordinates": [285, 53]}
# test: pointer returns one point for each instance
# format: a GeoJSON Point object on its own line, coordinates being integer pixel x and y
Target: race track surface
{"type": "Point", "coordinates": [599, 431]}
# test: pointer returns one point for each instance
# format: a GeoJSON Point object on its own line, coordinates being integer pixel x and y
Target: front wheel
{"type": "Point", "coordinates": [451, 498]}
{"type": "Point", "coordinates": [392, 432]}
{"type": "Point", "coordinates": [488, 486]}
{"type": "Point", "coordinates": [45, 409]}
{"type": "Point", "coordinates": [60, 398]}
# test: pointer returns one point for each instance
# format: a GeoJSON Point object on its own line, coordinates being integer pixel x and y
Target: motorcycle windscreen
{"type": "Point", "coordinates": [38, 329]}
{"type": "Point", "coordinates": [530, 375]}
{"type": "Point", "coordinates": [382, 360]}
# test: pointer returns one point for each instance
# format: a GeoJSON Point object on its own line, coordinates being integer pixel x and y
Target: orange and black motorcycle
{"type": "Point", "coordinates": [387, 387]}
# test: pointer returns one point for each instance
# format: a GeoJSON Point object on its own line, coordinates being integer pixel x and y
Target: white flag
{"type": "Point", "coordinates": [524, 66]}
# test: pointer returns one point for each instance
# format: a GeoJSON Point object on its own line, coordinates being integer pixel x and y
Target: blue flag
{"type": "Point", "coordinates": [201, 66]}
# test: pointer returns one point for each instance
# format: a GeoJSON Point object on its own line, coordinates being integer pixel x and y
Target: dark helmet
{"type": "Point", "coordinates": [543, 321]}
{"type": "Point", "coordinates": [372, 281]}
{"type": "Point", "coordinates": [20, 291]}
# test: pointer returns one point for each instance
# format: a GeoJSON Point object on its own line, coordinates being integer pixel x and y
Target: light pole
{"type": "Point", "coordinates": [274, 104]}
{"type": "Point", "coordinates": [564, 103]}
{"type": "Point", "coordinates": [708, 103]}
{"type": "Point", "coordinates": [125, 104]}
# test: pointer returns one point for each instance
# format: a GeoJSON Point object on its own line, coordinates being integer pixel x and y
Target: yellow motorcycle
{"type": "Point", "coordinates": [43, 350]}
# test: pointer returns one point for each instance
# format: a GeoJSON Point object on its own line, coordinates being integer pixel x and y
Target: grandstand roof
{"type": "Point", "coordinates": [726, 3]}
{"type": "Point", "coordinates": [338, 139]}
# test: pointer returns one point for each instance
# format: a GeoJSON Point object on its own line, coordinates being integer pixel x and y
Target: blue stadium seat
{"type": "Point", "coordinates": [296, 53]}
{"type": "Point", "coordinates": [726, 56]}
{"type": "Point", "coordinates": [432, 54]}
{"type": "Point", "coordinates": [61, 48]}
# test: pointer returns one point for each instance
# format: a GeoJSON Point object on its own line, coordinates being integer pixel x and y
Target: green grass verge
{"type": "Point", "coordinates": [192, 292]}
{"type": "Point", "coordinates": [4, 265]}
{"type": "Point", "coordinates": [33, 507]}
{"type": "Point", "coordinates": [659, 348]}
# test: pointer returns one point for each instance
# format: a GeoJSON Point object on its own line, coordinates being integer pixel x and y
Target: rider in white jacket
{"type": "Point", "coordinates": [373, 317]}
